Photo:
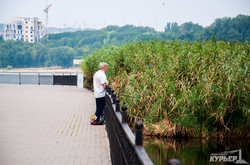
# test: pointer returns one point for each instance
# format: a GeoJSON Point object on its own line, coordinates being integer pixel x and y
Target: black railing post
{"type": "Point", "coordinates": [117, 102]}
{"type": "Point", "coordinates": [124, 113]}
{"type": "Point", "coordinates": [112, 92]}
{"type": "Point", "coordinates": [114, 97]}
{"type": "Point", "coordinates": [109, 90]}
{"type": "Point", "coordinates": [138, 133]}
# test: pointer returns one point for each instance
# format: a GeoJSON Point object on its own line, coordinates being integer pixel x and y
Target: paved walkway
{"type": "Point", "coordinates": [46, 125]}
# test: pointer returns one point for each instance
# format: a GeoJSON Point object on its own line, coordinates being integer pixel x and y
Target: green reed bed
{"type": "Point", "coordinates": [186, 88]}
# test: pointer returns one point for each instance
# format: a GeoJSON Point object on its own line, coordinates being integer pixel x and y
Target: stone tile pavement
{"type": "Point", "coordinates": [49, 125]}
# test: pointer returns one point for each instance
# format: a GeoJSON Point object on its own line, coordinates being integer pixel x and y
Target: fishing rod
{"type": "Point", "coordinates": [108, 88]}
{"type": "Point", "coordinates": [118, 94]}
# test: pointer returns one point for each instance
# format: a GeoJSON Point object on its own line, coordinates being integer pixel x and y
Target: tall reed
{"type": "Point", "coordinates": [200, 87]}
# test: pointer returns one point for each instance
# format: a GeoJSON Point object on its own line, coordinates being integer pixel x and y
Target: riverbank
{"type": "Point", "coordinates": [164, 129]}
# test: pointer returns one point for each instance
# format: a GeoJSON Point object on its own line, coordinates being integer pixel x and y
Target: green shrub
{"type": "Point", "coordinates": [9, 67]}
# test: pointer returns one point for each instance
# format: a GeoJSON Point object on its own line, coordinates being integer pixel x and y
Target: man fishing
{"type": "Point", "coordinates": [100, 81]}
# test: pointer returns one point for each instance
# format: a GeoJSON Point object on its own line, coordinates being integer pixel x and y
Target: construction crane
{"type": "Point", "coordinates": [46, 10]}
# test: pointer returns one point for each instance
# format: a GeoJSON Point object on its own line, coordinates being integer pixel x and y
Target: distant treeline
{"type": "Point", "coordinates": [62, 48]}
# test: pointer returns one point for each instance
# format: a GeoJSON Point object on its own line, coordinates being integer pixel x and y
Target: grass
{"type": "Point", "coordinates": [200, 88]}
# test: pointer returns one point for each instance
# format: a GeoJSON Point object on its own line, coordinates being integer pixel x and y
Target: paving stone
{"type": "Point", "coordinates": [50, 125]}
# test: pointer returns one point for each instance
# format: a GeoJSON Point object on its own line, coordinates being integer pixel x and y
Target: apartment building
{"type": "Point", "coordinates": [24, 28]}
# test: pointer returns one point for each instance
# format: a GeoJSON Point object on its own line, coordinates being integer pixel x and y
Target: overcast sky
{"type": "Point", "coordinates": [101, 13]}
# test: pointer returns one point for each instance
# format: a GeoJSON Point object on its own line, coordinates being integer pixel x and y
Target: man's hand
{"type": "Point", "coordinates": [104, 85]}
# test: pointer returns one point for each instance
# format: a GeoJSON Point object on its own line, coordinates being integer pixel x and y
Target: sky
{"type": "Point", "coordinates": [101, 13]}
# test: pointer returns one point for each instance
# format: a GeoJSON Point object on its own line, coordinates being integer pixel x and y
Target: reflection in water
{"type": "Point", "coordinates": [192, 151]}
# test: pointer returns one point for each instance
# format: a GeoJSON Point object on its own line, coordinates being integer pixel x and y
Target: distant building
{"type": "Point", "coordinates": [77, 63]}
{"type": "Point", "coordinates": [24, 28]}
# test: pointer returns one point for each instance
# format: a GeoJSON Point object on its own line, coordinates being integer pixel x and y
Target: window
{"type": "Point", "coordinates": [26, 22]}
{"type": "Point", "coordinates": [27, 27]}
{"type": "Point", "coordinates": [31, 36]}
{"type": "Point", "coordinates": [31, 40]}
{"type": "Point", "coordinates": [26, 31]}
{"type": "Point", "coordinates": [31, 32]}
{"type": "Point", "coordinates": [31, 28]}
{"type": "Point", "coordinates": [19, 27]}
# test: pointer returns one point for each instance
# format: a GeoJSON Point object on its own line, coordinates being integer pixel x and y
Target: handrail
{"type": "Point", "coordinates": [125, 147]}
{"type": "Point", "coordinates": [42, 78]}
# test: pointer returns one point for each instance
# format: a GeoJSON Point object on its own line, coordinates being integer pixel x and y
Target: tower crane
{"type": "Point", "coordinates": [46, 10]}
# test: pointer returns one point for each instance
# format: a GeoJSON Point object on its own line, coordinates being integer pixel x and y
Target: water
{"type": "Point", "coordinates": [193, 151]}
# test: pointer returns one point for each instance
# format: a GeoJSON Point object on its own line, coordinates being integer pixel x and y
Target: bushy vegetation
{"type": "Point", "coordinates": [21, 54]}
{"type": "Point", "coordinates": [186, 88]}
{"type": "Point", "coordinates": [89, 40]}
{"type": "Point", "coordinates": [62, 48]}
{"type": "Point", "coordinates": [225, 29]}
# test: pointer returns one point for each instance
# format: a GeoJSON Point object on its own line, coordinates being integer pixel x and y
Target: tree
{"type": "Point", "coordinates": [230, 29]}
{"type": "Point", "coordinates": [61, 56]}
{"type": "Point", "coordinates": [190, 30]}
{"type": "Point", "coordinates": [172, 27]}
{"type": "Point", "coordinates": [38, 53]}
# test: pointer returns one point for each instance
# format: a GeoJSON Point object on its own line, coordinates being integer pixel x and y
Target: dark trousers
{"type": "Point", "coordinates": [100, 104]}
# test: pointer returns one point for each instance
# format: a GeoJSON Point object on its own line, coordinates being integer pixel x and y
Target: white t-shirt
{"type": "Point", "coordinates": [98, 80]}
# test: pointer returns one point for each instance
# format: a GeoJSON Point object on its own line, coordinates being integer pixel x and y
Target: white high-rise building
{"type": "Point", "coordinates": [24, 28]}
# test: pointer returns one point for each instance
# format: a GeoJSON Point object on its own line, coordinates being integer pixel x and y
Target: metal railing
{"type": "Point", "coordinates": [125, 147]}
{"type": "Point", "coordinates": [71, 79]}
